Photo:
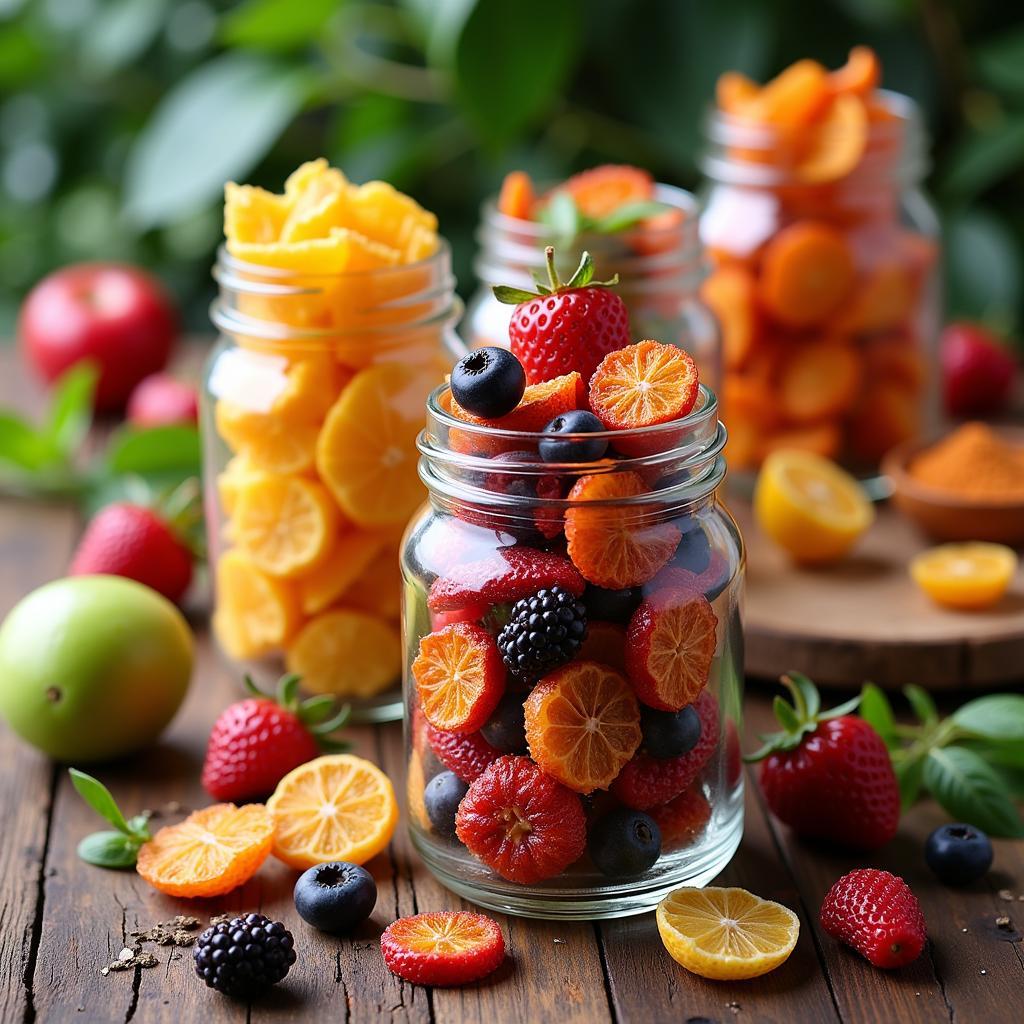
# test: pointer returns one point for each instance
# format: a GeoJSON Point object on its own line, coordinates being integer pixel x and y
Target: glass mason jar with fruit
{"type": "Point", "coordinates": [824, 253]}
{"type": "Point", "coordinates": [336, 315]}
{"type": "Point", "coordinates": [643, 232]}
{"type": "Point", "coordinates": [572, 637]}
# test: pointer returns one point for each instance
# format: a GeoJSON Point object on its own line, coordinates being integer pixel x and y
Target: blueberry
{"type": "Point", "coordinates": [669, 733]}
{"type": "Point", "coordinates": [694, 551]}
{"type": "Point", "coordinates": [611, 605]}
{"type": "Point", "coordinates": [442, 797]}
{"type": "Point", "coordinates": [554, 448]}
{"type": "Point", "coordinates": [958, 853]}
{"type": "Point", "coordinates": [489, 382]}
{"type": "Point", "coordinates": [335, 897]}
{"type": "Point", "coordinates": [506, 729]}
{"type": "Point", "coordinates": [624, 842]}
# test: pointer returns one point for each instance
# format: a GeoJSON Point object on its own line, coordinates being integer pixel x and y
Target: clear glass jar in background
{"type": "Point", "coordinates": [658, 261]}
{"type": "Point", "coordinates": [851, 380]}
{"type": "Point", "coordinates": [312, 400]}
{"type": "Point", "coordinates": [483, 519]}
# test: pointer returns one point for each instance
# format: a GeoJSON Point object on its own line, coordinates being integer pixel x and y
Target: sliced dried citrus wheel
{"type": "Point", "coordinates": [614, 545]}
{"type": "Point", "coordinates": [819, 381]}
{"type": "Point", "coordinates": [210, 853]}
{"type": "Point", "coordinates": [583, 725]}
{"type": "Point", "coordinates": [285, 524]}
{"type": "Point", "coordinates": [600, 191]}
{"type": "Point", "coordinates": [726, 934]}
{"type": "Point", "coordinates": [256, 613]}
{"type": "Point", "coordinates": [342, 251]}
{"type": "Point", "coordinates": [334, 808]}
{"type": "Point", "coordinates": [252, 214]}
{"type": "Point", "coordinates": [313, 386]}
{"type": "Point", "coordinates": [366, 453]}
{"type": "Point", "coordinates": [351, 557]}
{"type": "Point", "coordinates": [443, 947]}
{"type": "Point", "coordinates": [238, 471]}
{"type": "Point", "coordinates": [460, 677]}
{"type": "Point", "coordinates": [347, 653]}
{"type": "Point", "coordinates": [731, 292]}
{"type": "Point", "coordinates": [270, 443]}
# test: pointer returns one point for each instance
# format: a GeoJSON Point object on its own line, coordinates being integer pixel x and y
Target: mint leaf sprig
{"type": "Point", "coordinates": [972, 762]}
{"type": "Point", "coordinates": [109, 849]}
{"type": "Point", "coordinates": [566, 221]}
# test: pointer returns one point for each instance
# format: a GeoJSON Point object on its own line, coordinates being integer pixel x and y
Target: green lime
{"type": "Point", "coordinates": [93, 667]}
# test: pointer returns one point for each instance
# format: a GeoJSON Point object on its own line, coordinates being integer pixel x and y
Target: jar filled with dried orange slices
{"type": "Point", "coordinates": [824, 252]}
{"type": "Point", "coordinates": [336, 314]}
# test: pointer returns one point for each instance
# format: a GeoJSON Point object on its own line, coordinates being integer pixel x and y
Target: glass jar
{"type": "Point", "coordinates": [658, 261]}
{"type": "Point", "coordinates": [313, 397]}
{"type": "Point", "coordinates": [649, 527]}
{"type": "Point", "coordinates": [825, 283]}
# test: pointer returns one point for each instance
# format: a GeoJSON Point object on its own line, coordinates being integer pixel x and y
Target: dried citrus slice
{"type": "Point", "coordinates": [366, 453]}
{"type": "Point", "coordinates": [269, 442]}
{"type": "Point", "coordinates": [347, 653]}
{"type": "Point", "coordinates": [313, 385]}
{"type": "Point", "coordinates": [459, 676]}
{"type": "Point", "coordinates": [819, 380]}
{"type": "Point", "coordinates": [969, 576]}
{"type": "Point", "coordinates": [316, 219]}
{"type": "Point", "coordinates": [285, 524]}
{"type": "Point", "coordinates": [837, 142]}
{"type": "Point", "coordinates": [256, 614]}
{"type": "Point", "coordinates": [210, 853]}
{"type": "Point", "coordinates": [614, 545]}
{"type": "Point", "coordinates": [443, 947]}
{"type": "Point", "coordinates": [731, 292]}
{"type": "Point", "coordinates": [342, 251]}
{"type": "Point", "coordinates": [350, 558]}
{"type": "Point", "coordinates": [600, 191]}
{"type": "Point", "coordinates": [517, 196]}
{"type": "Point", "coordinates": [337, 807]}
{"type": "Point", "coordinates": [252, 214]}
{"type": "Point", "coordinates": [726, 934]}
{"type": "Point", "coordinates": [379, 211]}
{"type": "Point", "coordinates": [583, 725]}
{"type": "Point", "coordinates": [238, 471]}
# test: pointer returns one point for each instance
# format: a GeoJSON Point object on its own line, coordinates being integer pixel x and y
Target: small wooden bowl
{"type": "Point", "coordinates": [946, 517]}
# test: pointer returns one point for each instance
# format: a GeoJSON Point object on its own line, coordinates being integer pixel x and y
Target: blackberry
{"type": "Point", "coordinates": [245, 955]}
{"type": "Point", "coordinates": [544, 631]}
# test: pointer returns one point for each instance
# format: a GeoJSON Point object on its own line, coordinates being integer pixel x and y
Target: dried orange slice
{"type": "Point", "coordinates": [285, 524]}
{"type": "Point", "coordinates": [210, 853]}
{"type": "Point", "coordinates": [731, 292]}
{"type": "Point", "coordinates": [382, 213]}
{"type": "Point", "coordinates": [351, 557]}
{"type": "Point", "coordinates": [256, 613]}
{"type": "Point", "coordinates": [347, 653]}
{"type": "Point", "coordinates": [517, 196]}
{"type": "Point", "coordinates": [341, 251]}
{"type": "Point", "coordinates": [252, 214]}
{"type": "Point", "coordinates": [270, 443]}
{"type": "Point", "coordinates": [366, 453]}
{"type": "Point", "coordinates": [313, 386]}
{"type": "Point", "coordinates": [337, 807]}
{"type": "Point", "coordinates": [602, 190]}
{"type": "Point", "coordinates": [583, 725]}
{"type": "Point", "coordinates": [860, 75]}
{"type": "Point", "coordinates": [614, 545]}
{"type": "Point", "coordinates": [238, 471]}
{"type": "Point", "coordinates": [819, 381]}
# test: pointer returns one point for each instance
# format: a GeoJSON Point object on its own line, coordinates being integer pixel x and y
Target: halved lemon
{"type": "Point", "coordinates": [969, 576]}
{"type": "Point", "coordinates": [810, 507]}
{"type": "Point", "coordinates": [726, 934]}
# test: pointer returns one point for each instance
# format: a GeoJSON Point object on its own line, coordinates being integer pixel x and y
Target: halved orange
{"type": "Point", "coordinates": [210, 853]}
{"type": "Point", "coordinates": [583, 725]}
{"type": "Point", "coordinates": [351, 556]}
{"type": "Point", "coordinates": [256, 613]}
{"type": "Point", "coordinates": [336, 807]}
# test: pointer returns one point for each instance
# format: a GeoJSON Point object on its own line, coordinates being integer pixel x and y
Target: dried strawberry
{"type": "Point", "coordinates": [647, 781]}
{"type": "Point", "coordinates": [466, 754]}
{"type": "Point", "coordinates": [683, 818]}
{"type": "Point", "coordinates": [520, 822]}
{"type": "Point", "coordinates": [443, 947]}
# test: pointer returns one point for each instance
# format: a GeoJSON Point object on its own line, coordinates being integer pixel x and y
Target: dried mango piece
{"type": "Point", "coordinates": [252, 214]}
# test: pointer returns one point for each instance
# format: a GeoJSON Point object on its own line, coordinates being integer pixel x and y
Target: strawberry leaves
{"type": "Point", "coordinates": [109, 849]}
{"type": "Point", "coordinates": [583, 277]}
{"type": "Point", "coordinates": [320, 715]}
{"type": "Point", "coordinates": [972, 762]}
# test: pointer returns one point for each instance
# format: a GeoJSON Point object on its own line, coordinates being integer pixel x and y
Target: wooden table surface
{"type": "Point", "coordinates": [61, 920]}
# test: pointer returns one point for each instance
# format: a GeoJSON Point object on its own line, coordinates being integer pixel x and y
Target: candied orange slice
{"type": "Point", "coordinates": [517, 196]}
{"type": "Point", "coordinates": [602, 190]}
{"type": "Point", "coordinates": [210, 853]}
{"type": "Point", "coordinates": [256, 613]}
{"type": "Point", "coordinates": [317, 219]}
{"type": "Point", "coordinates": [352, 554]}
{"type": "Point", "coordinates": [335, 808]}
{"type": "Point", "coordinates": [884, 301]}
{"type": "Point", "coordinates": [380, 212]}
{"type": "Point", "coordinates": [735, 92]}
{"type": "Point", "coordinates": [366, 453]}
{"type": "Point", "coordinates": [583, 725]}
{"type": "Point", "coordinates": [238, 471]}
{"type": "Point", "coordinates": [837, 142]}
{"type": "Point", "coordinates": [819, 381]}
{"type": "Point", "coordinates": [270, 443]}
{"type": "Point", "coordinates": [731, 293]}
{"type": "Point", "coordinates": [860, 75]}
{"type": "Point", "coordinates": [342, 251]}
{"type": "Point", "coordinates": [252, 214]}
{"type": "Point", "coordinates": [313, 385]}
{"type": "Point", "coordinates": [613, 545]}
{"type": "Point", "coordinates": [795, 95]}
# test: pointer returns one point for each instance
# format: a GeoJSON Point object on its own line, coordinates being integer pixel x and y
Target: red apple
{"type": "Point", "coordinates": [118, 317]}
{"type": "Point", "coordinates": [162, 400]}
{"type": "Point", "coordinates": [977, 370]}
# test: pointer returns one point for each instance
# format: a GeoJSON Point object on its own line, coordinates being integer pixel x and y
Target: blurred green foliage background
{"type": "Point", "coordinates": [121, 119]}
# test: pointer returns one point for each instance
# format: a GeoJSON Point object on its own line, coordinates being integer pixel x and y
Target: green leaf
{"type": "Point", "coordinates": [212, 127]}
{"type": "Point", "coordinates": [924, 707]}
{"type": "Point", "coordinates": [562, 216]}
{"type": "Point", "coordinates": [512, 296]}
{"type": "Point", "coordinates": [155, 450]}
{"type": "Point", "coordinates": [138, 825]}
{"type": "Point", "coordinates": [909, 775]}
{"type": "Point", "coordinates": [1000, 63]}
{"type": "Point", "coordinates": [996, 753]}
{"type": "Point", "coordinates": [876, 710]}
{"type": "Point", "coordinates": [120, 32]}
{"type": "Point", "coordinates": [806, 698]}
{"type": "Point", "coordinates": [786, 715]}
{"type": "Point", "coordinates": [1013, 778]}
{"type": "Point", "coordinates": [511, 61]}
{"type": "Point", "coordinates": [109, 850]}
{"type": "Point", "coordinates": [71, 408]}
{"type": "Point", "coordinates": [99, 798]}
{"type": "Point", "coordinates": [998, 717]}
{"type": "Point", "coordinates": [983, 267]}
{"type": "Point", "coordinates": [983, 159]}
{"type": "Point", "coordinates": [626, 216]}
{"type": "Point", "coordinates": [439, 23]}
{"type": "Point", "coordinates": [23, 446]}
{"type": "Point", "coordinates": [969, 790]}
{"type": "Point", "coordinates": [314, 710]}
{"type": "Point", "coordinates": [277, 24]}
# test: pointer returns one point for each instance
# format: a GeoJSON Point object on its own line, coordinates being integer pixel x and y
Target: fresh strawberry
{"type": "Point", "coordinates": [647, 781]}
{"type": "Point", "coordinates": [139, 544]}
{"type": "Point", "coordinates": [977, 371]}
{"type": "Point", "coordinates": [466, 754]}
{"type": "Point", "coordinates": [256, 742]}
{"type": "Point", "coordinates": [443, 947]}
{"type": "Point", "coordinates": [506, 574]}
{"type": "Point", "coordinates": [828, 775]}
{"type": "Point", "coordinates": [682, 819]}
{"type": "Point", "coordinates": [565, 327]}
{"type": "Point", "coordinates": [162, 400]}
{"type": "Point", "coordinates": [876, 913]}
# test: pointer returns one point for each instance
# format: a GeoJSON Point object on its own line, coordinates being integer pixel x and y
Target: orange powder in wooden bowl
{"type": "Point", "coordinates": [973, 462]}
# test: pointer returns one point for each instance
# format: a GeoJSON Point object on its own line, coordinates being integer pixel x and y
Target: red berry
{"type": "Point", "coordinates": [444, 947]}
{"type": "Point", "coordinates": [506, 574]}
{"type": "Point", "coordinates": [134, 542]}
{"type": "Point", "coordinates": [162, 400]}
{"type": "Point", "coordinates": [876, 913]}
{"type": "Point", "coordinates": [977, 371]}
{"type": "Point", "coordinates": [648, 781]}
{"type": "Point", "coordinates": [466, 754]}
{"type": "Point", "coordinates": [682, 819]}
{"type": "Point", "coordinates": [521, 822]}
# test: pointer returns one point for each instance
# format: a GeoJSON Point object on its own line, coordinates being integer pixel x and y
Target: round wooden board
{"type": "Point", "coordinates": [865, 620]}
